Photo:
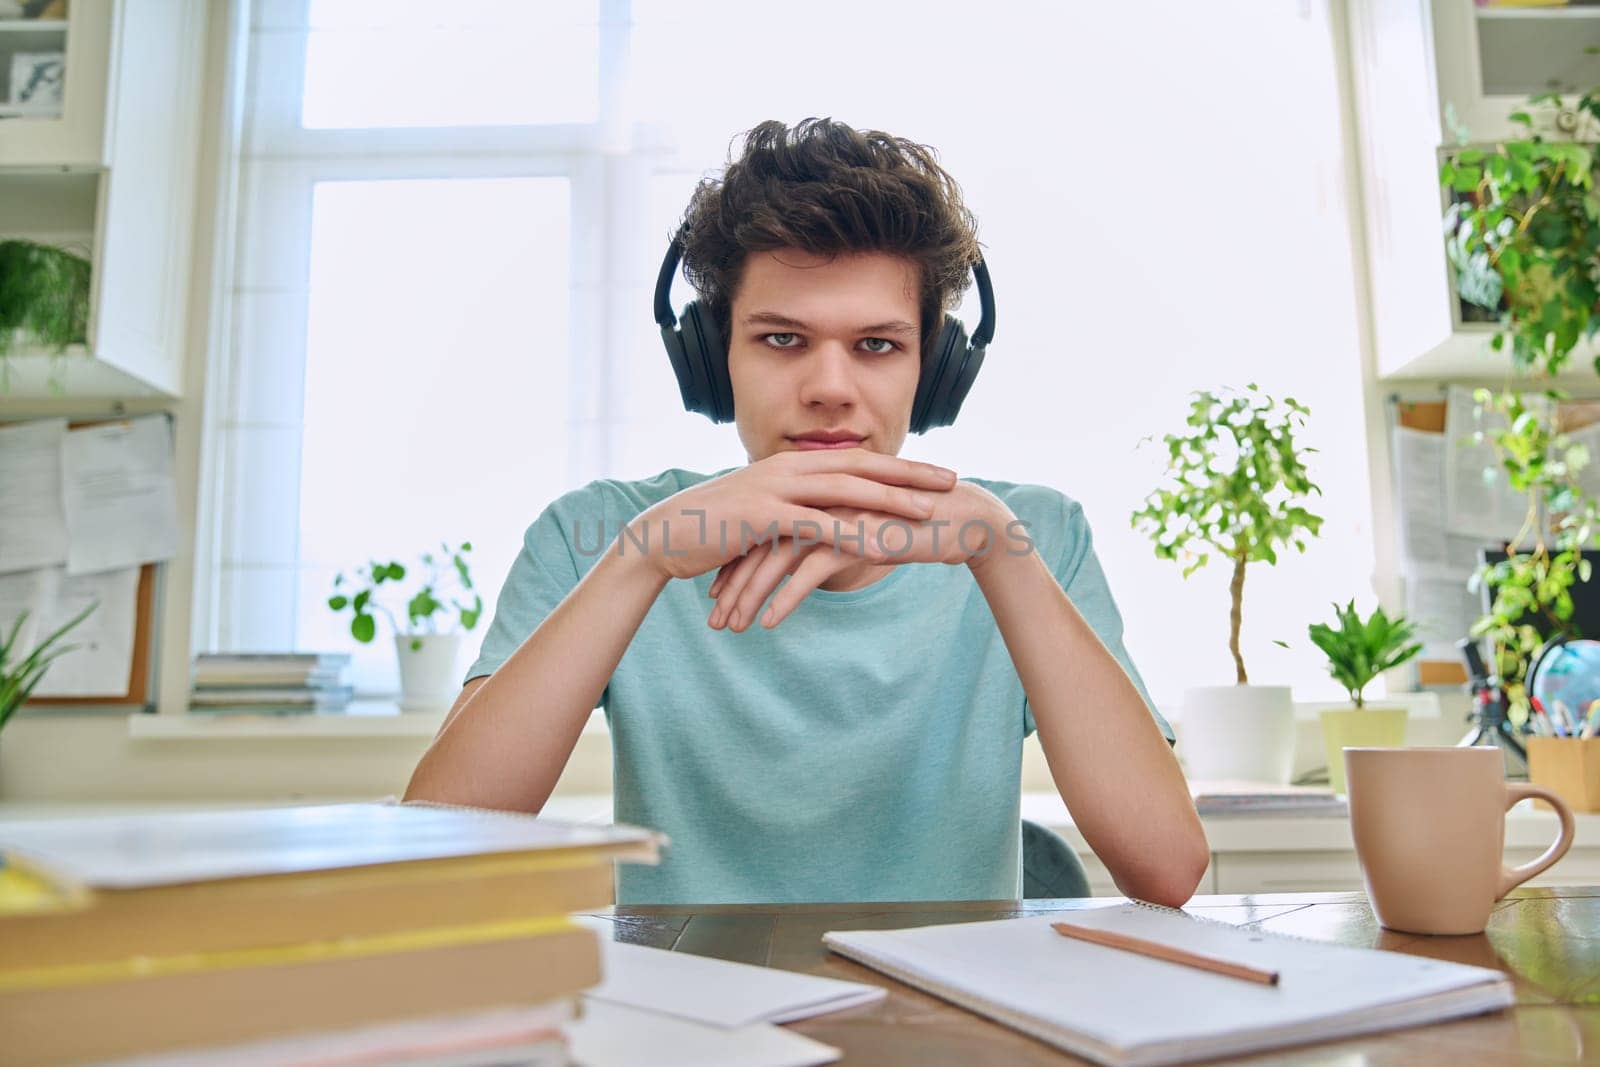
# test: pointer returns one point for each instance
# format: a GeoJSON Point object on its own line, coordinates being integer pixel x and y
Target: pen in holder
{"type": "Point", "coordinates": [1568, 767]}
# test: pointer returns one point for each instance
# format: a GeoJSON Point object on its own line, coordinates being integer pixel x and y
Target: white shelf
{"type": "Point", "coordinates": [47, 114]}
{"type": "Point", "coordinates": [363, 718]}
{"type": "Point", "coordinates": [1530, 14]}
{"type": "Point", "coordinates": [33, 25]}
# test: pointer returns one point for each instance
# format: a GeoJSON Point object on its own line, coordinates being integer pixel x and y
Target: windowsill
{"type": "Point", "coordinates": [363, 718]}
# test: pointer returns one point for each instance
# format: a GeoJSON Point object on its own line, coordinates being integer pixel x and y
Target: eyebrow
{"type": "Point", "coordinates": [772, 318]}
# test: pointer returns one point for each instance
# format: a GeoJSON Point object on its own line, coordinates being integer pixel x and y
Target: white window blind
{"type": "Point", "coordinates": [454, 215]}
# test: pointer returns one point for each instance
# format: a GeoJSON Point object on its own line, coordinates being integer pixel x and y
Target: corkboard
{"type": "Point", "coordinates": [140, 674]}
{"type": "Point", "coordinates": [138, 694]}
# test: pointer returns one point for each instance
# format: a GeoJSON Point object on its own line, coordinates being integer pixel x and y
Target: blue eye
{"type": "Point", "coordinates": [888, 346]}
{"type": "Point", "coordinates": [782, 340]}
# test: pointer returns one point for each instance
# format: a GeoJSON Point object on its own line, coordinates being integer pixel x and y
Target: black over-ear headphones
{"type": "Point", "coordinates": [700, 357]}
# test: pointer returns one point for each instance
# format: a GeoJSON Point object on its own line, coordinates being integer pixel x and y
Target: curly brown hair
{"type": "Point", "coordinates": [827, 189]}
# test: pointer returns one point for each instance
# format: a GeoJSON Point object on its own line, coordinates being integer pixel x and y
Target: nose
{"type": "Point", "coordinates": [828, 376]}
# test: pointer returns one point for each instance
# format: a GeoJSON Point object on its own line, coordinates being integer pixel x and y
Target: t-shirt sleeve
{"type": "Point", "coordinates": [544, 572]}
{"type": "Point", "coordinates": [1078, 570]}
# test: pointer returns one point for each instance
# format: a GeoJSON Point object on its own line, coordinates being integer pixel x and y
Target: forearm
{"type": "Point", "coordinates": [1112, 766]}
{"type": "Point", "coordinates": [509, 743]}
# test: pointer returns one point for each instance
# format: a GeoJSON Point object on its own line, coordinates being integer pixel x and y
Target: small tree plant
{"type": "Point", "coordinates": [426, 611]}
{"type": "Point", "coordinates": [1358, 651]}
{"type": "Point", "coordinates": [1235, 488]}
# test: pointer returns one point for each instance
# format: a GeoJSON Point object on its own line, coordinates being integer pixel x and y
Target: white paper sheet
{"type": "Point", "coordinates": [102, 662]}
{"type": "Point", "coordinates": [1444, 610]}
{"type": "Point", "coordinates": [1419, 489]}
{"type": "Point", "coordinates": [33, 526]}
{"type": "Point", "coordinates": [1478, 496]}
{"type": "Point", "coordinates": [714, 991]}
{"type": "Point", "coordinates": [119, 494]}
{"type": "Point", "coordinates": [1096, 1001]}
{"type": "Point", "coordinates": [612, 1035]}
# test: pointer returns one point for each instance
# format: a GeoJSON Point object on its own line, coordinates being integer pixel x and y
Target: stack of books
{"type": "Point", "coordinates": [1258, 798]}
{"type": "Point", "coordinates": [341, 933]}
{"type": "Point", "coordinates": [267, 683]}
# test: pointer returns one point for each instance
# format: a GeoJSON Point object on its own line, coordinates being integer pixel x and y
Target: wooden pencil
{"type": "Point", "coordinates": [1166, 952]}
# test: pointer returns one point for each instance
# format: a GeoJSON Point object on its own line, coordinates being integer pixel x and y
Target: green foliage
{"type": "Point", "coordinates": [449, 566]}
{"type": "Point", "coordinates": [18, 679]}
{"type": "Point", "coordinates": [1236, 487]}
{"type": "Point", "coordinates": [1524, 239]}
{"type": "Point", "coordinates": [1359, 651]}
{"type": "Point", "coordinates": [44, 292]}
{"type": "Point", "coordinates": [1545, 559]}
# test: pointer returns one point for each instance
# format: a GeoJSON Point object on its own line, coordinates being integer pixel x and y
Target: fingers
{"type": "Point", "coordinates": [854, 491]}
{"type": "Point", "coordinates": [763, 579]}
{"type": "Point", "coordinates": [891, 470]}
{"type": "Point", "coordinates": [738, 575]}
{"type": "Point", "coordinates": [815, 569]}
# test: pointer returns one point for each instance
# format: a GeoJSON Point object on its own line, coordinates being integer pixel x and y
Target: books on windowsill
{"type": "Point", "coordinates": [264, 683]}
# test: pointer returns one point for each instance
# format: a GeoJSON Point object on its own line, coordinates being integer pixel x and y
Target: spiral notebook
{"type": "Point", "coordinates": [1118, 1007]}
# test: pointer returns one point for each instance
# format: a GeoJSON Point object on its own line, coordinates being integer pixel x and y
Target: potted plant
{"type": "Point", "coordinates": [1236, 488]}
{"type": "Point", "coordinates": [428, 646]}
{"type": "Point", "coordinates": [1358, 651]}
{"type": "Point", "coordinates": [20, 674]}
{"type": "Point", "coordinates": [44, 298]}
{"type": "Point", "coordinates": [1524, 239]}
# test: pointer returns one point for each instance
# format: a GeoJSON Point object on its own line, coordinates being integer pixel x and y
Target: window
{"type": "Point", "coordinates": [451, 234]}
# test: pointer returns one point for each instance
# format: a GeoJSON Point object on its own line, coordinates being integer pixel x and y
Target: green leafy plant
{"type": "Point", "coordinates": [1358, 651]}
{"type": "Point", "coordinates": [1523, 235]}
{"type": "Point", "coordinates": [1544, 560]}
{"type": "Point", "coordinates": [426, 612]}
{"type": "Point", "coordinates": [19, 673]}
{"type": "Point", "coordinates": [44, 293]}
{"type": "Point", "coordinates": [1236, 485]}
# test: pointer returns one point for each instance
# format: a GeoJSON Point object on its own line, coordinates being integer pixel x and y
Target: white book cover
{"type": "Point", "coordinates": [171, 848]}
{"type": "Point", "coordinates": [1119, 1007]}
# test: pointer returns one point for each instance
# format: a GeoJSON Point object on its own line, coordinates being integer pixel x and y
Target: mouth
{"type": "Point", "coordinates": [828, 439]}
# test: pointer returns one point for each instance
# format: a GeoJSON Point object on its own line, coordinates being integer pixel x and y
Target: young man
{"type": "Point", "coordinates": [862, 738]}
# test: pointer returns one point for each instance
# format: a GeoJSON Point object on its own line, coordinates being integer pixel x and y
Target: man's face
{"type": "Point", "coordinates": [824, 347]}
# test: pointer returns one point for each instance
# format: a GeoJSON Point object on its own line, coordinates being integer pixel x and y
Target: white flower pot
{"type": "Point", "coordinates": [1243, 732]}
{"type": "Point", "coordinates": [430, 678]}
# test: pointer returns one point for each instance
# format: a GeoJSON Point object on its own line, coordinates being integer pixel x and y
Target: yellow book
{"type": "Point", "coordinates": [89, 890]}
{"type": "Point", "coordinates": [65, 1014]}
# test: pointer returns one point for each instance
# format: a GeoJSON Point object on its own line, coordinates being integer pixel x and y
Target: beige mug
{"type": "Point", "coordinates": [1429, 827]}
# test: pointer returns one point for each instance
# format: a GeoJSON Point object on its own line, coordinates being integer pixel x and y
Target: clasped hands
{"type": "Point", "coordinates": [810, 515]}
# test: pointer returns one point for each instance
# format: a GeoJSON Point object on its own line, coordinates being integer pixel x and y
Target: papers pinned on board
{"type": "Point", "coordinates": [81, 510]}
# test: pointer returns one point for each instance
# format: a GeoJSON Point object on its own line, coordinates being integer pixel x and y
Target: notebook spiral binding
{"type": "Point", "coordinates": [1231, 926]}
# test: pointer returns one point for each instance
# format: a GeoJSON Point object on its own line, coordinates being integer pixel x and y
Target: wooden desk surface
{"type": "Point", "coordinates": [1547, 940]}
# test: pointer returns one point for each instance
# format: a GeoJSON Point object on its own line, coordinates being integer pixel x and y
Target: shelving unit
{"type": "Point", "coordinates": [110, 174]}
{"type": "Point", "coordinates": [1418, 69]}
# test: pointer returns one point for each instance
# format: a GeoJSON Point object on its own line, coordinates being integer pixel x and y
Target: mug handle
{"type": "Point", "coordinates": [1511, 877]}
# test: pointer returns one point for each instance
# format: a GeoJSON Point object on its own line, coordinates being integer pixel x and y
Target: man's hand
{"type": "Point", "coordinates": [968, 525]}
{"type": "Point", "coordinates": [785, 495]}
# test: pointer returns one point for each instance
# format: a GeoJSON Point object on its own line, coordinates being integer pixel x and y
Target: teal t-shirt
{"type": "Point", "coordinates": [868, 748]}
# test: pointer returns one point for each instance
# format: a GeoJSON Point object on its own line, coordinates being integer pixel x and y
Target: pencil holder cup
{"type": "Point", "coordinates": [1567, 766]}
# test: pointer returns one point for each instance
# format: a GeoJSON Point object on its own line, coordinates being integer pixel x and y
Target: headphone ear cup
{"type": "Point", "coordinates": [672, 339]}
{"type": "Point", "coordinates": [708, 362]}
{"type": "Point", "coordinates": [961, 384]}
{"type": "Point", "coordinates": [935, 361]}
{"type": "Point", "coordinates": [940, 369]}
